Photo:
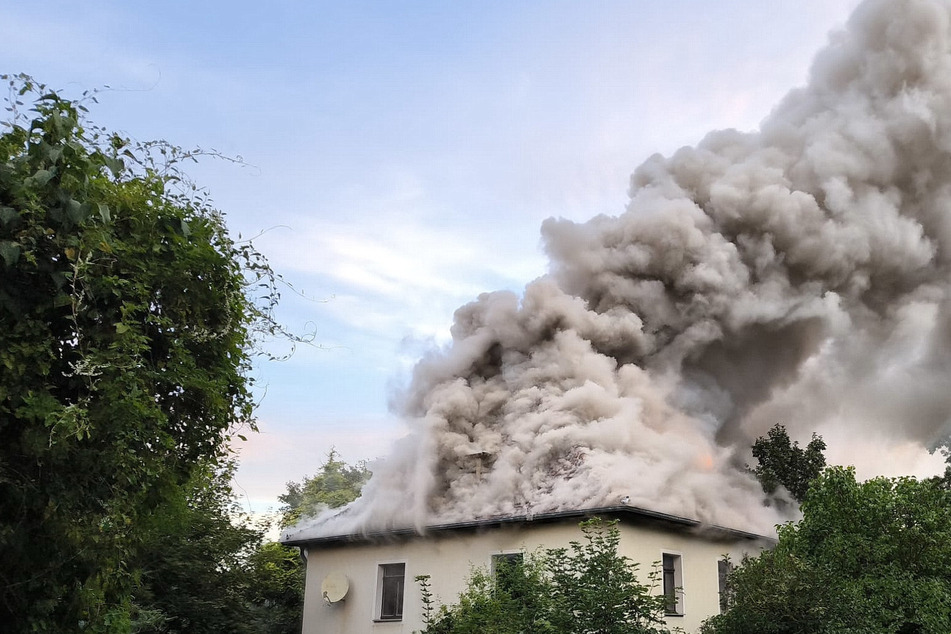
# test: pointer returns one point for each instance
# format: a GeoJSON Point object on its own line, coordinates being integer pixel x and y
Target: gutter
{"type": "Point", "coordinates": [626, 512]}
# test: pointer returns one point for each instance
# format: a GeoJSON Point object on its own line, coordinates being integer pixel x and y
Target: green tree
{"type": "Point", "coordinates": [337, 484]}
{"type": "Point", "coordinates": [195, 567]}
{"type": "Point", "coordinates": [276, 589]}
{"type": "Point", "coordinates": [596, 591]}
{"type": "Point", "coordinates": [127, 321]}
{"type": "Point", "coordinates": [873, 557]}
{"type": "Point", "coordinates": [204, 568]}
{"type": "Point", "coordinates": [588, 588]}
{"type": "Point", "coordinates": [513, 598]}
{"type": "Point", "coordinates": [784, 463]}
{"type": "Point", "coordinates": [276, 573]}
{"type": "Point", "coordinates": [944, 479]}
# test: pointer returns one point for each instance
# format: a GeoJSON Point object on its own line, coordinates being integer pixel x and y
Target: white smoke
{"type": "Point", "coordinates": [800, 274]}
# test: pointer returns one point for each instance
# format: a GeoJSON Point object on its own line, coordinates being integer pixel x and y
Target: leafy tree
{"type": "Point", "coordinates": [194, 567]}
{"type": "Point", "coordinates": [204, 568]}
{"type": "Point", "coordinates": [275, 572]}
{"type": "Point", "coordinates": [127, 321]}
{"type": "Point", "coordinates": [595, 590]}
{"type": "Point", "coordinates": [944, 479]}
{"type": "Point", "coordinates": [587, 588]}
{"type": "Point", "coordinates": [785, 463]}
{"type": "Point", "coordinates": [514, 599]}
{"type": "Point", "coordinates": [276, 589]}
{"type": "Point", "coordinates": [873, 556]}
{"type": "Point", "coordinates": [337, 484]}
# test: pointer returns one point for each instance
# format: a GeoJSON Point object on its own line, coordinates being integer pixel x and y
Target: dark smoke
{"type": "Point", "coordinates": [798, 274]}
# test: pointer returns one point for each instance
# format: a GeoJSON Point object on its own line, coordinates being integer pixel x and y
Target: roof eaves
{"type": "Point", "coordinates": [628, 512]}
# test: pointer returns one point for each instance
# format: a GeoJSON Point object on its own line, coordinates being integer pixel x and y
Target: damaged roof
{"type": "Point", "coordinates": [628, 514]}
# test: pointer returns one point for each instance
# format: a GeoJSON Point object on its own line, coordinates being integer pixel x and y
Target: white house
{"type": "Point", "coordinates": [365, 583]}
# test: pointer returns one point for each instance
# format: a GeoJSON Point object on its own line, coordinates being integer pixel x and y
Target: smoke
{"type": "Point", "coordinates": [799, 274]}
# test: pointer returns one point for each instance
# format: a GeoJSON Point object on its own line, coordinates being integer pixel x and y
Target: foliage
{"type": "Point", "coordinates": [587, 588]}
{"type": "Point", "coordinates": [426, 597]}
{"type": "Point", "coordinates": [127, 317]}
{"type": "Point", "coordinates": [277, 571]}
{"type": "Point", "coordinates": [596, 590]}
{"type": "Point", "coordinates": [194, 570]}
{"type": "Point", "coordinates": [337, 484]}
{"type": "Point", "coordinates": [204, 568]}
{"type": "Point", "coordinates": [514, 599]}
{"type": "Point", "coordinates": [276, 589]}
{"type": "Point", "coordinates": [785, 463]}
{"type": "Point", "coordinates": [866, 557]}
{"type": "Point", "coordinates": [944, 480]}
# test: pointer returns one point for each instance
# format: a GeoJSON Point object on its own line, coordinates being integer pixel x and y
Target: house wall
{"type": "Point", "coordinates": [449, 557]}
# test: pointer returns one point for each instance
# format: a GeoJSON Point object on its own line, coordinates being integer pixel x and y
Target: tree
{"type": "Point", "coordinates": [511, 599]}
{"type": "Point", "coordinates": [596, 591]}
{"type": "Point", "coordinates": [785, 463]}
{"type": "Point", "coordinates": [337, 484]}
{"type": "Point", "coordinates": [195, 572]}
{"type": "Point", "coordinates": [873, 556]}
{"type": "Point", "coordinates": [275, 573]}
{"type": "Point", "coordinates": [276, 589]}
{"type": "Point", "coordinates": [204, 568]}
{"type": "Point", "coordinates": [127, 320]}
{"type": "Point", "coordinates": [587, 588]}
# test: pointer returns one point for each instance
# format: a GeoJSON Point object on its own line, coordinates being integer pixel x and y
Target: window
{"type": "Point", "coordinates": [673, 584]}
{"type": "Point", "coordinates": [506, 567]}
{"type": "Point", "coordinates": [504, 561]}
{"type": "Point", "coordinates": [390, 591]}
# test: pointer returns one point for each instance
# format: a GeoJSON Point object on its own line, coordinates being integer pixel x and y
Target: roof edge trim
{"type": "Point", "coordinates": [540, 518]}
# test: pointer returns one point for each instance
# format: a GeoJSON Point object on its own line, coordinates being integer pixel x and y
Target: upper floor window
{"type": "Point", "coordinates": [506, 568]}
{"type": "Point", "coordinates": [390, 582]}
{"type": "Point", "coordinates": [673, 584]}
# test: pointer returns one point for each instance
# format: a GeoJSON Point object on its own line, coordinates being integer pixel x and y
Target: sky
{"type": "Point", "coordinates": [399, 158]}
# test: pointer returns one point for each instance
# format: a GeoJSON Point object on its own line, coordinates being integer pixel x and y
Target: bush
{"type": "Point", "coordinates": [587, 588]}
{"type": "Point", "coordinates": [866, 557]}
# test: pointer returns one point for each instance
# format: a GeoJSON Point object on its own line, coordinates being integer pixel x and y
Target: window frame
{"type": "Point", "coordinates": [514, 557]}
{"type": "Point", "coordinates": [385, 573]}
{"type": "Point", "coordinates": [672, 582]}
{"type": "Point", "coordinates": [507, 555]}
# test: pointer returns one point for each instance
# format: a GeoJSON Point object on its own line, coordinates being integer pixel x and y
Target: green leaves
{"type": "Point", "coordinates": [9, 252]}
{"type": "Point", "coordinates": [336, 484]}
{"type": "Point", "coordinates": [513, 598]}
{"type": "Point", "coordinates": [784, 463]}
{"type": "Point", "coordinates": [115, 164]}
{"type": "Point", "coordinates": [40, 178]}
{"type": "Point", "coordinates": [870, 556]}
{"type": "Point", "coordinates": [126, 334]}
{"type": "Point", "coordinates": [7, 216]}
{"type": "Point", "coordinates": [588, 588]}
{"type": "Point", "coordinates": [596, 590]}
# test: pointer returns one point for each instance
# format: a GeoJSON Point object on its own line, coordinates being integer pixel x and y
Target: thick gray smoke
{"type": "Point", "coordinates": [799, 274]}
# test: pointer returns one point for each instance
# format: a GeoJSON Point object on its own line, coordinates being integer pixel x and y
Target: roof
{"type": "Point", "coordinates": [627, 513]}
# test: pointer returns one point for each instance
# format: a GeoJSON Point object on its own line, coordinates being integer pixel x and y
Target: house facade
{"type": "Point", "coordinates": [365, 583]}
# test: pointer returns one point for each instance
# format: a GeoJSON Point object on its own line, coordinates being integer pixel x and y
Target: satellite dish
{"type": "Point", "coordinates": [334, 587]}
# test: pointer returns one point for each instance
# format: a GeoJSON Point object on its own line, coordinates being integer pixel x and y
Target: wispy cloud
{"type": "Point", "coordinates": [269, 460]}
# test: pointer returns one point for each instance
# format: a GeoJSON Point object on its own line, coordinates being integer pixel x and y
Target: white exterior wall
{"type": "Point", "coordinates": [448, 558]}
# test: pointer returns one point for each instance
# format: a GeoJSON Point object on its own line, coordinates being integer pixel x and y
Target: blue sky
{"type": "Point", "coordinates": [401, 156]}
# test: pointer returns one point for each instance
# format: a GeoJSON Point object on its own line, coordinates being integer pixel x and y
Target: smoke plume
{"type": "Point", "coordinates": [798, 274]}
